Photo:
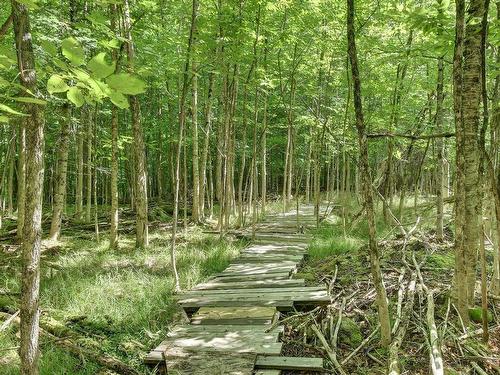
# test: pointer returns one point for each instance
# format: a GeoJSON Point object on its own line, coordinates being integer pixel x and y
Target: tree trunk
{"type": "Point", "coordinates": [140, 181]}
{"type": "Point", "coordinates": [79, 168]}
{"type": "Point", "coordinates": [61, 175]}
{"type": "Point", "coordinates": [460, 270]}
{"type": "Point", "coordinates": [196, 165]}
{"type": "Point", "coordinates": [206, 145]}
{"type": "Point", "coordinates": [440, 147]}
{"type": "Point", "coordinates": [88, 201]}
{"type": "Point", "coordinates": [32, 231]}
{"type": "Point", "coordinates": [182, 119]}
{"type": "Point", "coordinates": [21, 179]}
{"type": "Point", "coordinates": [471, 100]}
{"type": "Point", "coordinates": [382, 306]}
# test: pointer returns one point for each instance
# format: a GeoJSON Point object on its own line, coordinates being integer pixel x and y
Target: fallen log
{"type": "Point", "coordinates": [53, 330]}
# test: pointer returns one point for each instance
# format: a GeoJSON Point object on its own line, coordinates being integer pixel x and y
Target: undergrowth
{"type": "Point", "coordinates": [121, 301]}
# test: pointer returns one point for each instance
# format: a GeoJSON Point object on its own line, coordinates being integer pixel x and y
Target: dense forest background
{"type": "Point", "coordinates": [141, 130]}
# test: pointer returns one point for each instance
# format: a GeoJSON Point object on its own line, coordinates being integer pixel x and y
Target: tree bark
{"type": "Point", "coordinates": [61, 175]}
{"type": "Point", "coordinates": [113, 231]}
{"type": "Point", "coordinates": [88, 167]}
{"type": "Point", "coordinates": [195, 214]}
{"type": "Point", "coordinates": [382, 305]}
{"type": "Point", "coordinates": [140, 180]}
{"type": "Point", "coordinates": [21, 179]}
{"type": "Point", "coordinates": [32, 233]}
{"type": "Point", "coordinates": [79, 168]}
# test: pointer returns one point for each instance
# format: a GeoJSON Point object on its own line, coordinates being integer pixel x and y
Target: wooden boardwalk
{"type": "Point", "coordinates": [231, 328]}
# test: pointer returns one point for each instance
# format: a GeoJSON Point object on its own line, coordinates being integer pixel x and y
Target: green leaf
{"type": "Point", "coordinates": [99, 67]}
{"type": "Point", "coordinates": [27, 99]}
{"type": "Point", "coordinates": [75, 96]}
{"type": "Point", "coordinates": [113, 43]}
{"type": "Point", "coordinates": [4, 82]}
{"type": "Point", "coordinates": [32, 4]}
{"type": "Point", "coordinates": [118, 99]}
{"type": "Point", "coordinates": [60, 64]}
{"type": "Point", "coordinates": [4, 119]}
{"type": "Point", "coordinates": [49, 47]}
{"type": "Point", "coordinates": [56, 84]}
{"type": "Point", "coordinates": [73, 51]}
{"type": "Point", "coordinates": [97, 18]}
{"type": "Point", "coordinates": [6, 108]}
{"type": "Point", "coordinates": [126, 83]}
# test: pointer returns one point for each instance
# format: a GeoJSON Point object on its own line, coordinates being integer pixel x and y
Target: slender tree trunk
{"type": "Point", "coordinates": [10, 178]}
{"type": "Point", "coordinates": [206, 145]}
{"type": "Point", "coordinates": [382, 306]}
{"type": "Point", "coordinates": [195, 214]}
{"type": "Point", "coordinates": [471, 100]}
{"type": "Point", "coordinates": [32, 230]}
{"type": "Point", "coordinates": [440, 149]}
{"type": "Point", "coordinates": [182, 120]}
{"type": "Point", "coordinates": [88, 202]}
{"type": "Point", "coordinates": [460, 263]}
{"type": "Point", "coordinates": [140, 181]}
{"type": "Point", "coordinates": [61, 175]}
{"type": "Point", "coordinates": [21, 179]}
{"type": "Point", "coordinates": [79, 168]}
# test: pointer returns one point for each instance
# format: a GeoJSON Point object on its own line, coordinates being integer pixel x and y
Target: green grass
{"type": "Point", "coordinates": [121, 301]}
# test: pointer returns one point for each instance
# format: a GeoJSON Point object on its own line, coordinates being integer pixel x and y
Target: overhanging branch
{"type": "Point", "coordinates": [410, 136]}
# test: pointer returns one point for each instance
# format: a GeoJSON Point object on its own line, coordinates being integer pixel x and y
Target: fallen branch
{"type": "Point", "coordinates": [400, 334]}
{"type": "Point", "coordinates": [363, 343]}
{"type": "Point", "coordinates": [9, 321]}
{"type": "Point", "coordinates": [331, 354]}
{"type": "Point", "coordinates": [291, 317]}
{"type": "Point", "coordinates": [66, 343]}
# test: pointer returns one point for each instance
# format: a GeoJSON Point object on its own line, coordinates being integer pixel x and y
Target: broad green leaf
{"type": "Point", "coordinates": [81, 75]}
{"type": "Point", "coordinates": [75, 96]}
{"type": "Point", "coordinates": [97, 18]}
{"type": "Point", "coordinates": [56, 84]}
{"type": "Point", "coordinates": [113, 43]}
{"type": "Point", "coordinates": [6, 108]}
{"type": "Point", "coordinates": [73, 51]}
{"type": "Point", "coordinates": [49, 47]}
{"type": "Point", "coordinates": [4, 119]}
{"type": "Point", "coordinates": [126, 83]}
{"type": "Point", "coordinates": [3, 82]}
{"type": "Point", "coordinates": [32, 4]}
{"type": "Point", "coordinates": [27, 99]}
{"type": "Point", "coordinates": [118, 99]}
{"type": "Point", "coordinates": [60, 64]}
{"type": "Point", "coordinates": [99, 67]}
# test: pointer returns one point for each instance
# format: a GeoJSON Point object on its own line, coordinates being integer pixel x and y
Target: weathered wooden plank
{"type": "Point", "coordinates": [234, 316]}
{"type": "Point", "coordinates": [234, 321]}
{"type": "Point", "coordinates": [266, 283]}
{"type": "Point", "coordinates": [258, 268]}
{"type": "Point", "coordinates": [251, 291]}
{"type": "Point", "coordinates": [264, 258]}
{"type": "Point", "coordinates": [267, 372]}
{"type": "Point", "coordinates": [204, 363]}
{"type": "Point", "coordinates": [259, 299]}
{"type": "Point", "coordinates": [251, 330]}
{"type": "Point", "coordinates": [261, 276]}
{"type": "Point", "coordinates": [279, 304]}
{"type": "Point", "coordinates": [289, 363]}
{"type": "Point", "coordinates": [235, 338]}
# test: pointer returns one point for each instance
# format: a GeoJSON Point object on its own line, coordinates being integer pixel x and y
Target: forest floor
{"type": "Point", "coordinates": [120, 303]}
{"type": "Point", "coordinates": [340, 259]}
